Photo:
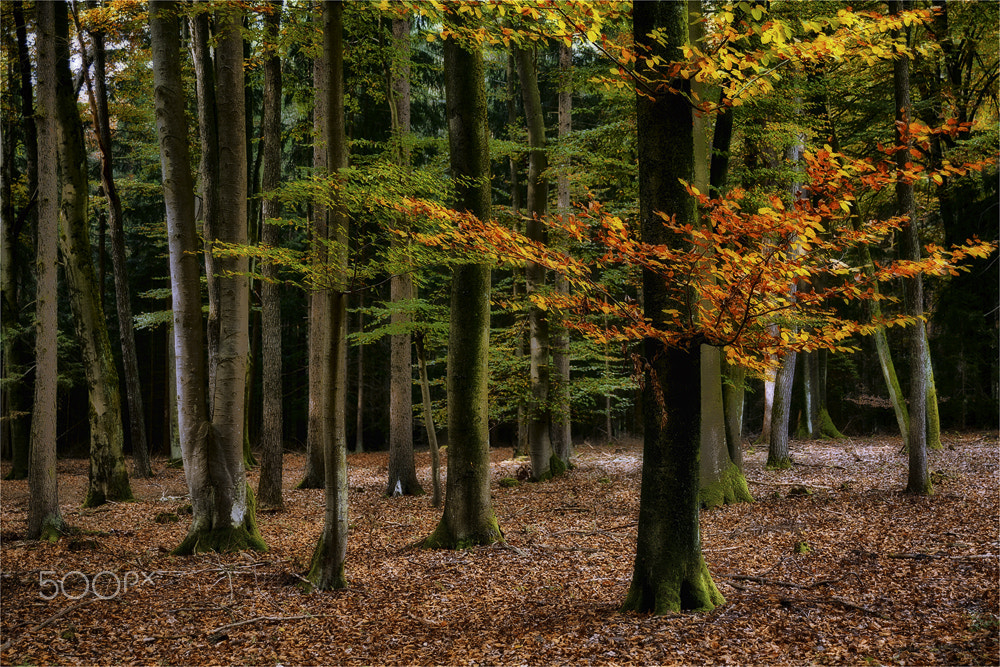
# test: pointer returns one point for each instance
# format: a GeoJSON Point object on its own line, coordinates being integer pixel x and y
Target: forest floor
{"type": "Point", "coordinates": [888, 579]}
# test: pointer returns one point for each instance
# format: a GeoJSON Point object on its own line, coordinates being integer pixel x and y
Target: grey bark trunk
{"type": "Point", "coordinates": [432, 441]}
{"type": "Point", "coordinates": [327, 570]}
{"type": "Point", "coordinates": [44, 519]}
{"type": "Point", "coordinates": [271, 441]}
{"type": "Point", "coordinates": [778, 455]}
{"type": "Point", "coordinates": [468, 517]}
{"type": "Point", "coordinates": [539, 412]}
{"type": "Point", "coordinates": [108, 479]}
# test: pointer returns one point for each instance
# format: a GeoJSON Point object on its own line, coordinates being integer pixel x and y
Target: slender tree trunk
{"type": "Point", "coordinates": [327, 569]}
{"type": "Point", "coordinates": [562, 420]}
{"type": "Point", "coordinates": [432, 441]}
{"type": "Point", "coordinates": [402, 469]}
{"type": "Point", "coordinates": [517, 286]}
{"type": "Point", "coordinates": [108, 476]}
{"type": "Point", "coordinates": [539, 411]}
{"type": "Point", "coordinates": [44, 519]}
{"type": "Point", "coordinates": [319, 302]}
{"type": "Point", "coordinates": [733, 394]}
{"type": "Point", "coordinates": [468, 517]}
{"type": "Point", "coordinates": [272, 446]}
{"type": "Point", "coordinates": [171, 416]}
{"type": "Point", "coordinates": [123, 302]}
{"type": "Point", "coordinates": [778, 455]}
{"type": "Point", "coordinates": [359, 430]}
{"type": "Point", "coordinates": [208, 131]}
{"type": "Point", "coordinates": [669, 573]}
{"type": "Point", "coordinates": [918, 480]}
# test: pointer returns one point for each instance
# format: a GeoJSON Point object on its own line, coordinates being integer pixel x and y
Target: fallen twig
{"type": "Point", "coordinates": [59, 614]}
{"type": "Point", "coordinates": [264, 619]}
{"type": "Point", "coordinates": [921, 556]}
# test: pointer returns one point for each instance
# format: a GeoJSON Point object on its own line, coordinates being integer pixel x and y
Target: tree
{"type": "Point", "coordinates": [402, 470]}
{"type": "Point", "coordinates": [108, 476]}
{"type": "Point", "coordinates": [468, 517]}
{"type": "Point", "coordinates": [223, 512]}
{"type": "Point", "coordinates": [123, 303]}
{"type": "Point", "coordinates": [539, 411]}
{"type": "Point", "coordinates": [918, 481]}
{"type": "Point", "coordinates": [327, 569]}
{"type": "Point", "coordinates": [272, 445]}
{"type": "Point", "coordinates": [669, 572]}
{"type": "Point", "coordinates": [44, 518]}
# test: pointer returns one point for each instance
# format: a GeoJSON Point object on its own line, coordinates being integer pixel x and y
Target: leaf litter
{"type": "Point", "coordinates": [882, 578]}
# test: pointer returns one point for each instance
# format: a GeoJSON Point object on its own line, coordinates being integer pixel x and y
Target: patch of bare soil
{"type": "Point", "coordinates": [844, 570]}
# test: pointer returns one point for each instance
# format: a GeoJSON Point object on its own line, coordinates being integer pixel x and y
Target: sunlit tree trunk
{"type": "Point", "coordinates": [271, 442]}
{"type": "Point", "coordinates": [44, 519]}
{"type": "Point", "coordinates": [432, 441]}
{"type": "Point", "coordinates": [778, 455]}
{"type": "Point", "coordinates": [402, 469]}
{"type": "Point", "coordinates": [517, 287]}
{"type": "Point", "coordinates": [918, 480]}
{"type": "Point", "coordinates": [108, 477]}
{"type": "Point", "coordinates": [327, 568]}
{"type": "Point", "coordinates": [539, 412]}
{"type": "Point", "coordinates": [669, 573]}
{"type": "Point", "coordinates": [319, 301]}
{"type": "Point", "coordinates": [468, 517]}
{"type": "Point", "coordinates": [562, 420]}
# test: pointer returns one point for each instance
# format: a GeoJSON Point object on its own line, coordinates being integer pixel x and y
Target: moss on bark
{"type": "Point", "coordinates": [688, 588]}
{"type": "Point", "coordinates": [826, 426]}
{"type": "Point", "coordinates": [228, 538]}
{"type": "Point", "coordinates": [444, 537]}
{"type": "Point", "coordinates": [730, 488]}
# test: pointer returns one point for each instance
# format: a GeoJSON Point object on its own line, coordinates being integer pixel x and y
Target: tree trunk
{"type": "Point", "coordinates": [44, 519]}
{"type": "Point", "coordinates": [222, 502]}
{"type": "Point", "coordinates": [432, 441]}
{"type": "Point", "coordinates": [468, 517]}
{"type": "Point", "coordinates": [669, 573]}
{"type": "Point", "coordinates": [319, 301]}
{"type": "Point", "coordinates": [918, 480]}
{"type": "Point", "coordinates": [208, 131]}
{"type": "Point", "coordinates": [778, 456]}
{"type": "Point", "coordinates": [359, 430]}
{"type": "Point", "coordinates": [327, 568]}
{"type": "Point", "coordinates": [539, 411]}
{"type": "Point", "coordinates": [108, 476]}
{"type": "Point", "coordinates": [733, 395]}
{"type": "Point", "coordinates": [562, 420]}
{"type": "Point", "coordinates": [271, 441]}
{"type": "Point", "coordinates": [402, 469]}
{"type": "Point", "coordinates": [521, 446]}
{"type": "Point", "coordinates": [123, 302]}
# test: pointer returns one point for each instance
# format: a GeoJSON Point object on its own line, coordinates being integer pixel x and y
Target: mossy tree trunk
{"type": "Point", "coordinates": [44, 519]}
{"type": "Point", "coordinates": [670, 573]}
{"type": "Point", "coordinates": [327, 568]}
{"type": "Point", "coordinates": [108, 478]}
{"type": "Point", "coordinates": [539, 411]}
{"type": "Point", "coordinates": [468, 517]}
{"type": "Point", "coordinates": [272, 445]}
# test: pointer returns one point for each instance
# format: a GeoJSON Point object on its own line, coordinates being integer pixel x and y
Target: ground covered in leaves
{"type": "Point", "coordinates": [831, 565]}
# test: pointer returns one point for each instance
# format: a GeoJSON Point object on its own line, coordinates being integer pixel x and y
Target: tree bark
{"type": "Point", "coordinates": [44, 519]}
{"type": "Point", "coordinates": [319, 302]}
{"type": "Point", "coordinates": [327, 569]}
{"type": "Point", "coordinates": [778, 456]}
{"type": "Point", "coordinates": [108, 478]}
{"type": "Point", "coordinates": [918, 480]}
{"type": "Point", "coordinates": [271, 441]}
{"type": "Point", "coordinates": [432, 441]}
{"type": "Point", "coordinates": [562, 419]}
{"type": "Point", "coordinates": [539, 411]}
{"type": "Point", "coordinates": [468, 517]}
{"type": "Point", "coordinates": [123, 301]}
{"type": "Point", "coordinates": [402, 468]}
{"type": "Point", "coordinates": [669, 572]}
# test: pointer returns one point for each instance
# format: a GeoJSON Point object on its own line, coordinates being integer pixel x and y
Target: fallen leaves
{"type": "Point", "coordinates": [889, 579]}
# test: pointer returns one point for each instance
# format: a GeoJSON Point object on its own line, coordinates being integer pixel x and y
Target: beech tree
{"type": "Point", "coordinates": [44, 518]}
{"type": "Point", "coordinates": [468, 511]}
{"type": "Point", "coordinates": [108, 477]}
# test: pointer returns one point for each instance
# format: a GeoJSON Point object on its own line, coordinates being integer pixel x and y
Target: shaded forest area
{"type": "Point", "coordinates": [883, 578]}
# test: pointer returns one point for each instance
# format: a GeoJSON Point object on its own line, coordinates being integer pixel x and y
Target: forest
{"type": "Point", "coordinates": [499, 332]}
